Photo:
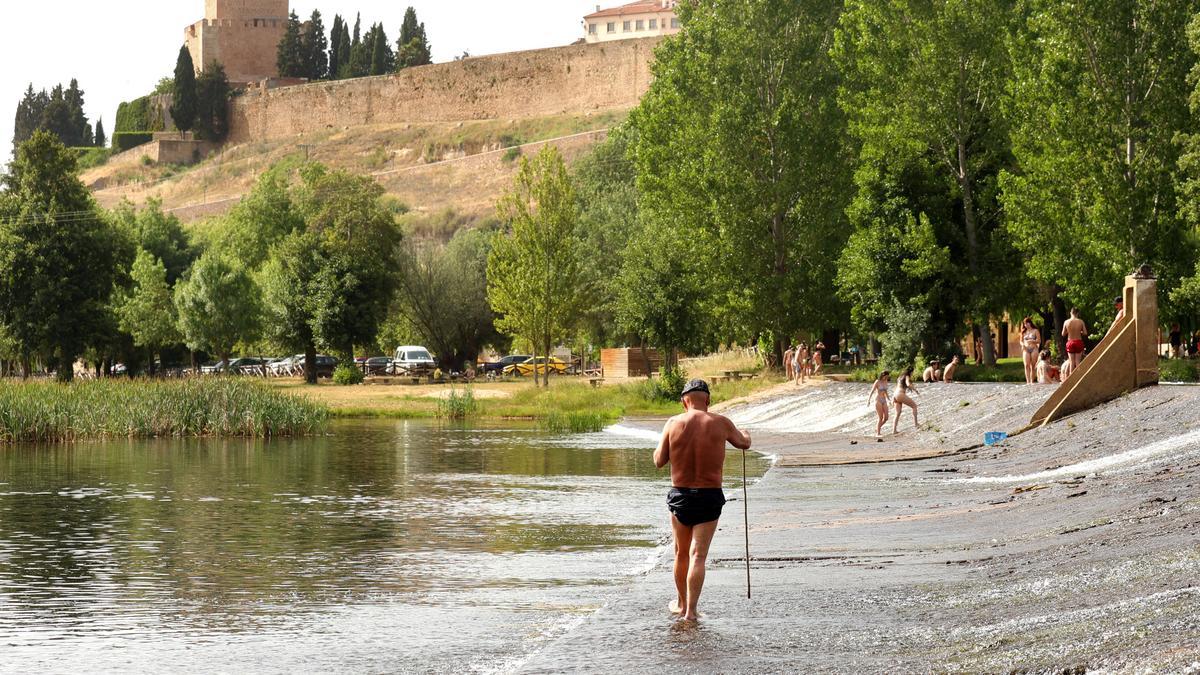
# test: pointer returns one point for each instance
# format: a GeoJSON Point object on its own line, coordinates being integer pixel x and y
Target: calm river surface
{"type": "Point", "coordinates": [385, 546]}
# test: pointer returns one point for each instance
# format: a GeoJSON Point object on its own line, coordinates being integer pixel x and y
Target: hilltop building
{"type": "Point", "coordinates": [644, 18]}
{"type": "Point", "coordinates": [242, 35]}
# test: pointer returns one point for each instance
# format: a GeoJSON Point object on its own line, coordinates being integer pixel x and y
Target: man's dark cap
{"type": "Point", "coordinates": [695, 385]}
{"type": "Point", "coordinates": [1119, 301]}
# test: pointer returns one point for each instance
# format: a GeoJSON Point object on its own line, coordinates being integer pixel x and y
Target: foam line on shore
{"type": "Point", "coordinates": [634, 432]}
{"type": "Point", "coordinates": [1151, 452]}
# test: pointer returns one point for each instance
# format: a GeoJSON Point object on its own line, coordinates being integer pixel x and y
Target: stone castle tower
{"type": "Point", "coordinates": [242, 35]}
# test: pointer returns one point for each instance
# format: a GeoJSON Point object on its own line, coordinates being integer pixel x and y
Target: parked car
{"type": "Point", "coordinates": [247, 365]}
{"type": "Point", "coordinates": [499, 366]}
{"type": "Point", "coordinates": [376, 365]}
{"type": "Point", "coordinates": [287, 366]}
{"type": "Point", "coordinates": [551, 365]}
{"type": "Point", "coordinates": [413, 360]}
{"type": "Point", "coordinates": [325, 365]}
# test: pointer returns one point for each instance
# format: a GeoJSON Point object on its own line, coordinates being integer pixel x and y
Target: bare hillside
{"type": "Point", "coordinates": [434, 167]}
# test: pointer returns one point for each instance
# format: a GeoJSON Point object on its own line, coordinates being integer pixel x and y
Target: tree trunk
{"type": "Point", "coordinates": [310, 363]}
{"type": "Point", "coordinates": [66, 369]}
{"type": "Point", "coordinates": [968, 197]}
{"type": "Point", "coordinates": [26, 368]}
{"type": "Point", "coordinates": [1060, 318]}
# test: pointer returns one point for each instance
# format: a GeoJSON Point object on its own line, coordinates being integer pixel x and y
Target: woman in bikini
{"type": "Point", "coordinates": [1031, 342]}
{"type": "Point", "coordinates": [903, 386]}
{"type": "Point", "coordinates": [804, 362]}
{"type": "Point", "coordinates": [879, 392]}
{"type": "Point", "coordinates": [818, 357]}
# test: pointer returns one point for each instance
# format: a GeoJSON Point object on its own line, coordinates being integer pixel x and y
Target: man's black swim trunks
{"type": "Point", "coordinates": [693, 506]}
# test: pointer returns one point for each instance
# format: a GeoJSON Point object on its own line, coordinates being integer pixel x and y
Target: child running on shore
{"type": "Point", "coordinates": [879, 392]}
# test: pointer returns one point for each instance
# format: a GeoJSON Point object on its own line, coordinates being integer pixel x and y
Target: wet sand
{"type": "Point", "coordinates": [1070, 547]}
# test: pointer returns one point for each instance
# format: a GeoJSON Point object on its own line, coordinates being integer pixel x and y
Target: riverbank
{"type": "Point", "coordinates": [1067, 548]}
{"type": "Point", "coordinates": [518, 400]}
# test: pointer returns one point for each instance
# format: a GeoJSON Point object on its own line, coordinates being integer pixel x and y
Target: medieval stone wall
{"type": "Point", "coordinates": [563, 80]}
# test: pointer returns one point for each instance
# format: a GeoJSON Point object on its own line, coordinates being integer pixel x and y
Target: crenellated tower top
{"type": "Point", "coordinates": [245, 9]}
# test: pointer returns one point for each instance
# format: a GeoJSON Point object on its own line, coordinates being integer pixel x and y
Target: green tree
{"type": "Point", "coordinates": [80, 130]}
{"type": "Point", "coordinates": [289, 58]}
{"type": "Point", "coordinates": [740, 136]}
{"type": "Point", "coordinates": [259, 221]}
{"type": "Point", "coordinates": [664, 293]}
{"type": "Point", "coordinates": [57, 256]}
{"type": "Point", "coordinates": [184, 102]}
{"type": "Point", "coordinates": [533, 269]}
{"type": "Point", "coordinates": [1099, 99]}
{"type": "Point", "coordinates": [345, 48]}
{"type": "Point", "coordinates": [30, 111]}
{"type": "Point", "coordinates": [931, 91]}
{"type": "Point", "coordinates": [288, 280]}
{"type": "Point", "coordinates": [218, 305]}
{"type": "Point", "coordinates": [606, 186]}
{"type": "Point", "coordinates": [146, 311]}
{"type": "Point", "coordinates": [158, 233]}
{"type": "Point", "coordinates": [101, 140]}
{"type": "Point", "coordinates": [443, 293]}
{"type": "Point", "coordinates": [361, 50]}
{"type": "Point", "coordinates": [383, 61]}
{"type": "Point", "coordinates": [313, 46]}
{"type": "Point", "coordinates": [213, 93]}
{"type": "Point", "coordinates": [412, 48]}
{"type": "Point", "coordinates": [335, 46]}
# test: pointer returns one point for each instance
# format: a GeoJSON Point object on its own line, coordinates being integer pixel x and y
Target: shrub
{"type": "Point", "coordinates": [133, 116]}
{"type": "Point", "coordinates": [345, 375]}
{"type": "Point", "coordinates": [664, 388]}
{"type": "Point", "coordinates": [91, 157]}
{"type": "Point", "coordinates": [1177, 370]}
{"type": "Point", "coordinates": [458, 406]}
{"type": "Point", "coordinates": [510, 155]}
{"type": "Point", "coordinates": [902, 341]}
{"type": "Point", "coordinates": [127, 140]}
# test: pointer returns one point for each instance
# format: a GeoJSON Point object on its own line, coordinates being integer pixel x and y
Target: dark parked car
{"type": "Point", "coordinates": [325, 365]}
{"type": "Point", "coordinates": [498, 367]}
{"type": "Point", "coordinates": [376, 365]}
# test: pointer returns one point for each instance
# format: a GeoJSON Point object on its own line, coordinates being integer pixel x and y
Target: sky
{"type": "Point", "coordinates": [119, 50]}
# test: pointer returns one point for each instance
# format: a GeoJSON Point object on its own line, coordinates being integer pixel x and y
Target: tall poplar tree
{"type": "Point", "coordinates": [335, 47]}
{"type": "Point", "coordinates": [1099, 99]}
{"type": "Point", "coordinates": [534, 268]}
{"type": "Point", "coordinates": [923, 84]}
{"type": "Point", "coordinates": [100, 138]}
{"type": "Point", "coordinates": [184, 102]}
{"type": "Point", "coordinates": [740, 136]}
{"type": "Point", "coordinates": [412, 47]}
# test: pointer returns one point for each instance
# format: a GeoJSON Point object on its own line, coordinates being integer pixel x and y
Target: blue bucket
{"type": "Point", "coordinates": [994, 437]}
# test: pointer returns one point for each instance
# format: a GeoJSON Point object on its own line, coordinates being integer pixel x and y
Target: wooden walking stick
{"type": "Point", "coordinates": [746, 518]}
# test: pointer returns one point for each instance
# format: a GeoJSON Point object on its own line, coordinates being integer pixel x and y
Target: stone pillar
{"type": "Point", "coordinates": [1126, 359]}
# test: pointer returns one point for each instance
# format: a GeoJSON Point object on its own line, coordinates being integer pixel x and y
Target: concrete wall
{"type": "Point", "coordinates": [564, 80]}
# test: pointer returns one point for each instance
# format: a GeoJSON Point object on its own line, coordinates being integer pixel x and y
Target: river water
{"type": "Point", "coordinates": [384, 546]}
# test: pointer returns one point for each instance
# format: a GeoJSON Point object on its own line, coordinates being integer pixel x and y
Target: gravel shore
{"type": "Point", "coordinates": [1071, 547]}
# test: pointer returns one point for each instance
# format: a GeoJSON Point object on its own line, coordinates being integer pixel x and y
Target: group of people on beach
{"type": "Point", "coordinates": [801, 363]}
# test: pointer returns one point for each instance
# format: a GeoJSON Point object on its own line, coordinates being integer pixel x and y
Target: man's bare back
{"type": "Point", "coordinates": [1074, 329]}
{"type": "Point", "coordinates": [694, 445]}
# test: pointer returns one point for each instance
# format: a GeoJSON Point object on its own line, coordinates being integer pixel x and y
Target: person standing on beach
{"type": "Point", "coordinates": [788, 370]}
{"type": "Point", "coordinates": [1031, 342]}
{"type": "Point", "coordinates": [1074, 330]}
{"type": "Point", "coordinates": [879, 392]}
{"type": "Point", "coordinates": [1119, 304]}
{"type": "Point", "coordinates": [818, 357]}
{"type": "Point", "coordinates": [803, 363]}
{"type": "Point", "coordinates": [1176, 340]}
{"type": "Point", "coordinates": [694, 445]}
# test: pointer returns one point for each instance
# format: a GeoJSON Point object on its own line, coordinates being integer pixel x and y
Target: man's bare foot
{"type": "Point", "coordinates": [675, 606]}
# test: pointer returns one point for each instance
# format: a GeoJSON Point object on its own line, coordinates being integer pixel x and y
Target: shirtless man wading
{"type": "Point", "coordinates": [694, 445]}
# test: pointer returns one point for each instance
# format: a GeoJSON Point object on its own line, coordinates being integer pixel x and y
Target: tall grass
{"type": "Point", "coordinates": [101, 409]}
{"type": "Point", "coordinates": [577, 422]}
{"type": "Point", "coordinates": [458, 406]}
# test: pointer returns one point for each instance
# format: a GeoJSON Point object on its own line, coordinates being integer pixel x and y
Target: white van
{"type": "Point", "coordinates": [413, 359]}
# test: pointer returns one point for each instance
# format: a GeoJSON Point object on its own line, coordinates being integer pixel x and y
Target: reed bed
{"type": "Point", "coordinates": [46, 412]}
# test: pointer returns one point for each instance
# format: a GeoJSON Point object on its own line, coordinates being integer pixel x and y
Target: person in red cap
{"type": "Point", "coordinates": [694, 445]}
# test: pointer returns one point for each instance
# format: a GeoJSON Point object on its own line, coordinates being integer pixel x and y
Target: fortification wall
{"type": "Point", "coordinates": [247, 48]}
{"type": "Point", "coordinates": [563, 80]}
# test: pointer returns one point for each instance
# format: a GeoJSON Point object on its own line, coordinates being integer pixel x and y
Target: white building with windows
{"type": "Point", "coordinates": [644, 18]}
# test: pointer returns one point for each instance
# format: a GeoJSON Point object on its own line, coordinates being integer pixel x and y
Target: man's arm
{"type": "Point", "coordinates": [736, 437]}
{"type": "Point", "coordinates": [662, 454]}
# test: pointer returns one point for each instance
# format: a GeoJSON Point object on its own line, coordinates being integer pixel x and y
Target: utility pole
{"type": "Point", "coordinates": [305, 146]}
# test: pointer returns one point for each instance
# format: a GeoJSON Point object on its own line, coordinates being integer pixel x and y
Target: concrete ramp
{"type": "Point", "coordinates": [1125, 360]}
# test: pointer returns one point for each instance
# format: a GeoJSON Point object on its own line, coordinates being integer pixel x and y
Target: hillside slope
{"type": "Point", "coordinates": [461, 166]}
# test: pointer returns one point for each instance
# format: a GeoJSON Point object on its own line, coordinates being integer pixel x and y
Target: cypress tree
{"type": "Point", "coordinates": [313, 46]}
{"type": "Point", "coordinates": [335, 47]}
{"type": "Point", "coordinates": [100, 138]}
{"type": "Point", "coordinates": [412, 49]}
{"type": "Point", "coordinates": [382, 58]}
{"type": "Point", "coordinates": [183, 101]}
{"type": "Point", "coordinates": [408, 29]}
{"type": "Point", "coordinates": [289, 59]}
{"type": "Point", "coordinates": [79, 133]}
{"type": "Point", "coordinates": [212, 122]}
{"type": "Point", "coordinates": [344, 47]}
